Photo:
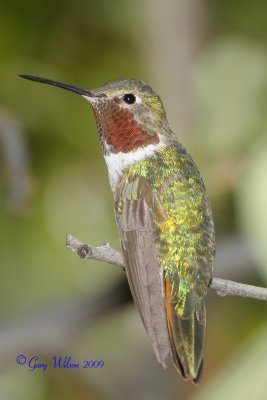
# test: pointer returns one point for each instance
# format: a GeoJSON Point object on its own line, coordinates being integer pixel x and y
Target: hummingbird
{"type": "Point", "coordinates": [163, 215]}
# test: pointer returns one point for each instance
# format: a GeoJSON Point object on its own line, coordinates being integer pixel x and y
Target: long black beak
{"type": "Point", "coordinates": [75, 89]}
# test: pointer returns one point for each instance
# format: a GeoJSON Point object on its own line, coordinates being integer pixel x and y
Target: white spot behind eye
{"type": "Point", "coordinates": [138, 99]}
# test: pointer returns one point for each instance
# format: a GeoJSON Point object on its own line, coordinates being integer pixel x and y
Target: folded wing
{"type": "Point", "coordinates": [138, 209]}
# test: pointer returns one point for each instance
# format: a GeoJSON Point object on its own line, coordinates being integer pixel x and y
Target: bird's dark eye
{"type": "Point", "coordinates": [129, 98]}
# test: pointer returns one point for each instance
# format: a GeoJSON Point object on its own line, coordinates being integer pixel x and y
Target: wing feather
{"type": "Point", "coordinates": [142, 268]}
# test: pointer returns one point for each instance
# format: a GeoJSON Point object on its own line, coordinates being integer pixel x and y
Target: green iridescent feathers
{"type": "Point", "coordinates": [179, 216]}
{"type": "Point", "coordinates": [185, 239]}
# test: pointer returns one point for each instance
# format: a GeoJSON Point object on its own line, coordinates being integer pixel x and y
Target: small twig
{"type": "Point", "coordinates": [230, 288]}
{"type": "Point", "coordinates": [103, 253]}
{"type": "Point", "coordinates": [107, 254]}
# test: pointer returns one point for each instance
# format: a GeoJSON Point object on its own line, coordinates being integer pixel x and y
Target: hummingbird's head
{"type": "Point", "coordinates": [129, 114]}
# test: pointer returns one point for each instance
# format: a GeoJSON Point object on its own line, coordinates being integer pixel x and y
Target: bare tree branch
{"type": "Point", "coordinates": [107, 254]}
{"type": "Point", "coordinates": [103, 253]}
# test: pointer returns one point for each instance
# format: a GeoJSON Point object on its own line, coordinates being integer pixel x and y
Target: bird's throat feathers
{"type": "Point", "coordinates": [121, 132]}
{"type": "Point", "coordinates": [128, 133]}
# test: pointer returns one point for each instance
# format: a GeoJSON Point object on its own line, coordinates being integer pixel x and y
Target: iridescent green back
{"type": "Point", "coordinates": [186, 240]}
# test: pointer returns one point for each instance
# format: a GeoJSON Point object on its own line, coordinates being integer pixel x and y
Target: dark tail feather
{"type": "Point", "coordinates": [199, 374]}
{"type": "Point", "coordinates": [187, 338]}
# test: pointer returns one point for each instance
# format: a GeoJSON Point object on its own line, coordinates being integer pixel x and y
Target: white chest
{"type": "Point", "coordinates": [118, 162]}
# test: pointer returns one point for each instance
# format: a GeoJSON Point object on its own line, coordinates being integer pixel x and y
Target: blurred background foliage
{"type": "Point", "coordinates": [208, 60]}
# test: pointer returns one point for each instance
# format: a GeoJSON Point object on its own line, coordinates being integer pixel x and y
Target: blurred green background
{"type": "Point", "coordinates": [208, 61]}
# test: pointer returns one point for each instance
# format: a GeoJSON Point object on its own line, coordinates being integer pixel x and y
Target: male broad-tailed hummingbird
{"type": "Point", "coordinates": [163, 215]}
